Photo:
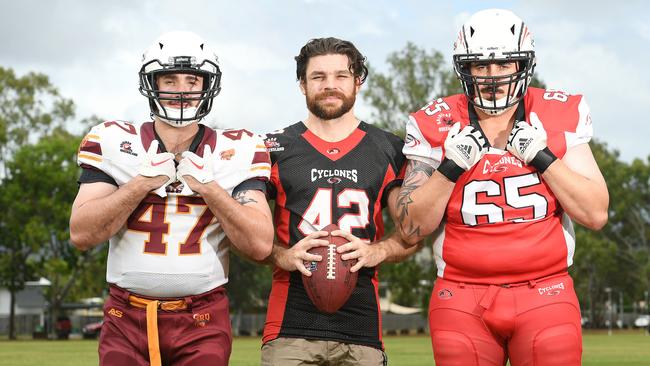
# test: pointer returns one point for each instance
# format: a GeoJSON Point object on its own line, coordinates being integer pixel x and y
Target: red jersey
{"type": "Point", "coordinates": [502, 224]}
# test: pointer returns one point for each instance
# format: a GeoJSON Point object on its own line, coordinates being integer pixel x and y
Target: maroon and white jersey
{"type": "Point", "coordinates": [503, 224]}
{"type": "Point", "coordinates": [170, 246]}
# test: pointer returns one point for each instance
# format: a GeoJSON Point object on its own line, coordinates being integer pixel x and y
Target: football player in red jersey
{"type": "Point", "coordinates": [330, 168]}
{"type": "Point", "coordinates": [498, 173]}
{"type": "Point", "coordinates": [167, 203]}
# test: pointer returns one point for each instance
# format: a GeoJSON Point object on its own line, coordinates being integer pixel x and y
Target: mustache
{"type": "Point", "coordinates": [490, 90]}
{"type": "Point", "coordinates": [331, 93]}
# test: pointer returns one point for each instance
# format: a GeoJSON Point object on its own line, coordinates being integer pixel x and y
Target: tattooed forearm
{"type": "Point", "coordinates": [242, 198]}
{"type": "Point", "coordinates": [417, 173]}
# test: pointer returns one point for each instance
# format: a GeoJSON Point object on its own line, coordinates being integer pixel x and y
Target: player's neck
{"type": "Point", "coordinates": [176, 139]}
{"type": "Point", "coordinates": [497, 128]}
{"type": "Point", "coordinates": [332, 130]}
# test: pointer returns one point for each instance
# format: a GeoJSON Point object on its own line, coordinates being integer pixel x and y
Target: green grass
{"type": "Point", "coordinates": [629, 348]}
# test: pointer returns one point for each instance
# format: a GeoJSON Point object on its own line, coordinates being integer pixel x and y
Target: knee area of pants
{"type": "Point", "coordinates": [453, 348]}
{"type": "Point", "coordinates": [558, 345]}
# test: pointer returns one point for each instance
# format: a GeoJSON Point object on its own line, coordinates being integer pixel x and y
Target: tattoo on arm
{"type": "Point", "coordinates": [417, 173]}
{"type": "Point", "coordinates": [242, 198]}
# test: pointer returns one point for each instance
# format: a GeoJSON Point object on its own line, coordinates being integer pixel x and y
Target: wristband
{"type": "Point", "coordinates": [543, 160]}
{"type": "Point", "coordinates": [450, 169]}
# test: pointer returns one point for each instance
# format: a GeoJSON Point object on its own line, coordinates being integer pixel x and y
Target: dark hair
{"type": "Point", "coordinates": [331, 46]}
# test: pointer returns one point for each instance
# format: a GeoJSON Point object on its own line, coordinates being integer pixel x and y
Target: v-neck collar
{"type": "Point", "coordinates": [337, 149]}
{"type": "Point", "coordinates": [520, 115]}
{"type": "Point", "coordinates": [193, 146]}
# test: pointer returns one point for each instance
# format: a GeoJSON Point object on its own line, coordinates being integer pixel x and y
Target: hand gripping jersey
{"type": "Point", "coordinates": [170, 246]}
{"type": "Point", "coordinates": [316, 183]}
{"type": "Point", "coordinates": [502, 223]}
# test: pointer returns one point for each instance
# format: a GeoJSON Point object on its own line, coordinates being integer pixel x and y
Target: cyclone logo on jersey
{"type": "Point", "coordinates": [411, 141]}
{"type": "Point", "coordinates": [334, 176]}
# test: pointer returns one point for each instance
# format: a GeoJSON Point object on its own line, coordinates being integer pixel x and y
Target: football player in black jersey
{"type": "Point", "coordinates": [330, 168]}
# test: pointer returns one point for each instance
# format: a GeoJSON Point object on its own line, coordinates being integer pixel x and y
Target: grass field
{"type": "Point", "coordinates": [629, 348]}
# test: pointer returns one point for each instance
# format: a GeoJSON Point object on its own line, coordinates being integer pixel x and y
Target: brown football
{"type": "Point", "coordinates": [331, 283]}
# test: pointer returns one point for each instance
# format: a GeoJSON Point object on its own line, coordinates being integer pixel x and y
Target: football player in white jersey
{"type": "Point", "coordinates": [498, 173]}
{"type": "Point", "coordinates": [166, 194]}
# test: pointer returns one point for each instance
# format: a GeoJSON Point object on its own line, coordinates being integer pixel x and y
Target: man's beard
{"type": "Point", "coordinates": [327, 112]}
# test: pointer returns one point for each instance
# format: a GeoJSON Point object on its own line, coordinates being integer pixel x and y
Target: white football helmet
{"type": "Point", "coordinates": [180, 52]}
{"type": "Point", "coordinates": [494, 35]}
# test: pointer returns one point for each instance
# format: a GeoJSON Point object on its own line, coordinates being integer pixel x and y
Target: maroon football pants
{"type": "Point", "coordinates": [534, 323]}
{"type": "Point", "coordinates": [199, 335]}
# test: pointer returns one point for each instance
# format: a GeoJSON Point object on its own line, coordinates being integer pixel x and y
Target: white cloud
{"type": "Point", "coordinates": [91, 51]}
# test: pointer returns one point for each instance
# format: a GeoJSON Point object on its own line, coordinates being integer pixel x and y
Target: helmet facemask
{"type": "Point", "coordinates": [514, 84]}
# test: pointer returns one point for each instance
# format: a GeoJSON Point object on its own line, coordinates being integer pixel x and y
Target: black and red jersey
{"type": "Point", "coordinates": [316, 183]}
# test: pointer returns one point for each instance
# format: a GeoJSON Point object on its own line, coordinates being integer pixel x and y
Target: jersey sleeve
{"type": "Point", "coordinates": [417, 147]}
{"type": "Point", "coordinates": [584, 129]}
{"type": "Point", "coordinates": [241, 159]}
{"type": "Point", "coordinates": [90, 154]}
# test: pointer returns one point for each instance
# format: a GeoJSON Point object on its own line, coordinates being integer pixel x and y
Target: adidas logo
{"type": "Point", "coordinates": [523, 144]}
{"type": "Point", "coordinates": [466, 150]}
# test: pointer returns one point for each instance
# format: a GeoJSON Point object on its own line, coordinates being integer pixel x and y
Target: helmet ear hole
{"type": "Point", "coordinates": [186, 53]}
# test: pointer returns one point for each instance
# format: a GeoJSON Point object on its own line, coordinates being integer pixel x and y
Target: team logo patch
{"type": "Point", "coordinates": [334, 180]}
{"type": "Point", "coordinates": [272, 144]}
{"type": "Point", "coordinates": [445, 294]}
{"type": "Point", "coordinates": [227, 154]}
{"type": "Point", "coordinates": [501, 165]}
{"type": "Point", "coordinates": [115, 312]}
{"type": "Point", "coordinates": [201, 320]}
{"type": "Point", "coordinates": [333, 151]}
{"type": "Point", "coordinates": [411, 141]}
{"type": "Point", "coordinates": [551, 290]}
{"type": "Point", "coordinates": [125, 147]}
{"type": "Point", "coordinates": [444, 122]}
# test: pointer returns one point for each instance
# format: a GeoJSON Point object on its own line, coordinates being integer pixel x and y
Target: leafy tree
{"type": "Point", "coordinates": [624, 267]}
{"type": "Point", "coordinates": [29, 107]}
{"type": "Point", "coordinates": [414, 77]}
{"type": "Point", "coordinates": [42, 186]}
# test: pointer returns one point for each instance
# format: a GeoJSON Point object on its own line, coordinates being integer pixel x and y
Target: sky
{"type": "Point", "coordinates": [91, 50]}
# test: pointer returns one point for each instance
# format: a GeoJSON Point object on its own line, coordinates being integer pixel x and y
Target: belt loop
{"type": "Point", "coordinates": [188, 302]}
{"type": "Point", "coordinates": [532, 283]}
{"type": "Point", "coordinates": [124, 294]}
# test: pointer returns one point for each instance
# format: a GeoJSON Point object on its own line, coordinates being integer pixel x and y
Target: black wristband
{"type": "Point", "coordinates": [450, 169]}
{"type": "Point", "coordinates": [543, 159]}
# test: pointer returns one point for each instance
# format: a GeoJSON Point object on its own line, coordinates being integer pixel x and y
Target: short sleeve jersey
{"type": "Point", "coordinates": [170, 246]}
{"type": "Point", "coordinates": [316, 183]}
{"type": "Point", "coordinates": [502, 224]}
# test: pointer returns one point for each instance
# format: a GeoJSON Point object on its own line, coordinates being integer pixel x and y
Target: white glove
{"type": "Point", "coordinates": [526, 140]}
{"type": "Point", "coordinates": [466, 147]}
{"type": "Point", "coordinates": [463, 149]}
{"type": "Point", "coordinates": [201, 168]}
{"type": "Point", "coordinates": [154, 164]}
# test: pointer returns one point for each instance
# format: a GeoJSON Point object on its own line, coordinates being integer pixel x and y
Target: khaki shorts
{"type": "Point", "coordinates": [302, 352]}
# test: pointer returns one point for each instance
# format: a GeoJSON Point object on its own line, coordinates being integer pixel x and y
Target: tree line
{"type": "Point", "coordinates": [38, 183]}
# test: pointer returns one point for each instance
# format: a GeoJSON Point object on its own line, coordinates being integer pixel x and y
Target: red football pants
{"type": "Point", "coordinates": [199, 335]}
{"type": "Point", "coordinates": [534, 323]}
